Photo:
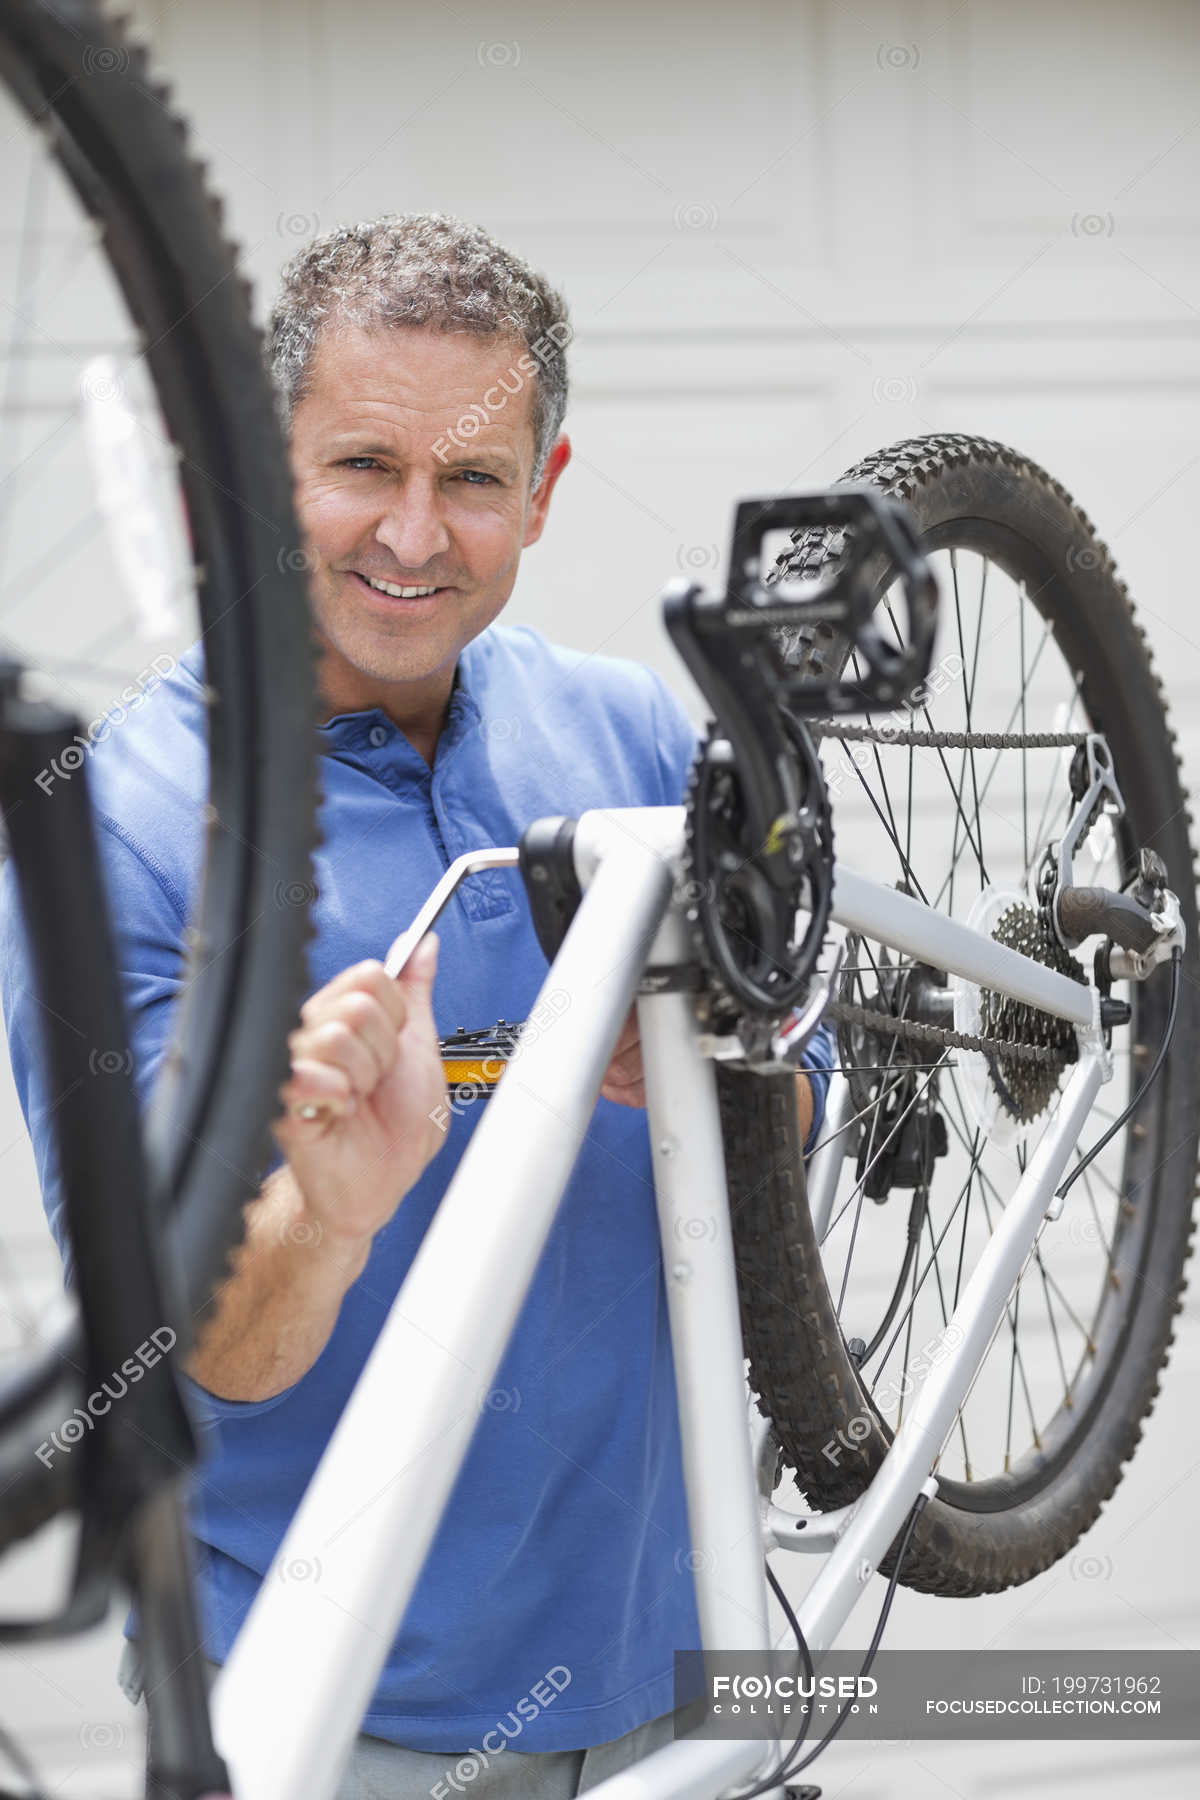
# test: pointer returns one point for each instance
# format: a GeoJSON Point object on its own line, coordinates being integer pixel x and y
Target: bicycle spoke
{"type": "Point", "coordinates": [1037, 1255]}
{"type": "Point", "coordinates": [861, 1185]}
{"type": "Point", "coordinates": [945, 1312]}
{"type": "Point", "coordinates": [968, 691]}
{"type": "Point", "coordinates": [888, 823]}
{"type": "Point", "coordinates": [995, 764]}
{"type": "Point", "coordinates": [1084, 1333]}
{"type": "Point", "coordinates": [1024, 731]}
{"type": "Point", "coordinates": [920, 1283]}
{"type": "Point", "coordinates": [974, 1150]}
{"type": "Point", "coordinates": [1017, 1361]}
{"type": "Point", "coordinates": [29, 251]}
{"type": "Point", "coordinates": [986, 1184]}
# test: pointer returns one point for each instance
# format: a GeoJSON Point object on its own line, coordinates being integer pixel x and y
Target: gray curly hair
{"type": "Point", "coordinates": [421, 269]}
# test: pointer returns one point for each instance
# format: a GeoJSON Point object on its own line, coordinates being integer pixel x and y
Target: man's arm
{"type": "Point", "coordinates": [366, 1054]}
{"type": "Point", "coordinates": [817, 1062]}
{"type": "Point", "coordinates": [805, 1104]}
{"type": "Point", "coordinates": [276, 1313]}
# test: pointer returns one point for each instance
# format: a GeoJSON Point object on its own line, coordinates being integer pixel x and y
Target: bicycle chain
{"type": "Point", "coordinates": [950, 740]}
{"type": "Point", "coordinates": [846, 1012]}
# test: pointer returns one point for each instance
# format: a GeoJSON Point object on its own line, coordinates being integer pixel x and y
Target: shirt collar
{"type": "Point", "coordinates": [373, 726]}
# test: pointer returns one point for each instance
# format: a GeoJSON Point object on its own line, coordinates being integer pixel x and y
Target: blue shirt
{"type": "Point", "coordinates": [565, 1541]}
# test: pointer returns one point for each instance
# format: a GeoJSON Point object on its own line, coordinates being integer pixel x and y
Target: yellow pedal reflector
{"type": "Point", "coordinates": [477, 1059]}
{"type": "Point", "coordinates": [485, 1073]}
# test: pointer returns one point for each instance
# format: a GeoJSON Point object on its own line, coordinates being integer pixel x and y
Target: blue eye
{"type": "Point", "coordinates": [350, 462]}
{"type": "Point", "coordinates": [481, 473]}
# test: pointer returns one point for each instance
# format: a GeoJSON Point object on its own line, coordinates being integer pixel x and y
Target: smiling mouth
{"type": "Point", "coordinates": [391, 590]}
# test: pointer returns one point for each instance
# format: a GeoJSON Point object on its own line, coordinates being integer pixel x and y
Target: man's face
{"type": "Point", "coordinates": [386, 495]}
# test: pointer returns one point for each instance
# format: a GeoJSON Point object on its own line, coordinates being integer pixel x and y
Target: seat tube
{"type": "Point", "coordinates": [706, 1336]}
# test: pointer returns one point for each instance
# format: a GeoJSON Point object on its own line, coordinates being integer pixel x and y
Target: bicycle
{"type": "Point", "coordinates": [720, 909]}
{"type": "Point", "coordinates": [714, 914]}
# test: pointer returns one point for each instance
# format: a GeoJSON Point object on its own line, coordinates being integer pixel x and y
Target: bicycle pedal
{"type": "Point", "coordinates": [476, 1059]}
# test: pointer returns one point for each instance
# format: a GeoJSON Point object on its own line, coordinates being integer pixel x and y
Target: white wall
{"type": "Point", "coordinates": [789, 234]}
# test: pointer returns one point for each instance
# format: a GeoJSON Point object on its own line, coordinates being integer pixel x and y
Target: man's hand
{"type": "Point", "coordinates": [624, 1080]}
{"type": "Point", "coordinates": [366, 1056]}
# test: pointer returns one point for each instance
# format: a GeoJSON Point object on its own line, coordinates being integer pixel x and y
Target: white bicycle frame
{"type": "Point", "coordinates": [290, 1700]}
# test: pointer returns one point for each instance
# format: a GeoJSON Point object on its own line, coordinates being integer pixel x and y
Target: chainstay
{"type": "Point", "coordinates": [948, 740]}
{"type": "Point", "coordinates": [845, 1012]}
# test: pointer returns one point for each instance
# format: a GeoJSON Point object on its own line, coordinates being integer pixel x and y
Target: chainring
{"type": "Point", "coordinates": [752, 936]}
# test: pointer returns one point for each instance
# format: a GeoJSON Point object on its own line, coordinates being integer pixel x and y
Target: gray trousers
{"type": "Point", "coordinates": [379, 1770]}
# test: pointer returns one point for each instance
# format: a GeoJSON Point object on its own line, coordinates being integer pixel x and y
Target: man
{"type": "Point", "coordinates": [422, 370]}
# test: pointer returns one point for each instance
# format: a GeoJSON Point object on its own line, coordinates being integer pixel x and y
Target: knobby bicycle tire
{"type": "Point", "coordinates": [972, 492]}
{"type": "Point", "coordinates": [87, 87]}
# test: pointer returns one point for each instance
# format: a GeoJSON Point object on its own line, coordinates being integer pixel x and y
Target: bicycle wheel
{"type": "Point", "coordinates": [842, 1324]}
{"type": "Point", "coordinates": [119, 244]}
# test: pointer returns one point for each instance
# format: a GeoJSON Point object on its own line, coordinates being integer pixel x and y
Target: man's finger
{"type": "Point", "coordinates": [317, 1084]}
{"type": "Point", "coordinates": [627, 1065]}
{"type": "Point", "coordinates": [369, 1024]}
{"type": "Point", "coordinates": [369, 977]}
{"type": "Point", "coordinates": [338, 1044]}
{"type": "Point", "coordinates": [626, 1093]}
{"type": "Point", "coordinates": [415, 981]}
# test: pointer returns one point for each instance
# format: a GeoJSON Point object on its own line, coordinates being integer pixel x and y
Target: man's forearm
{"type": "Point", "coordinates": [276, 1312]}
{"type": "Point", "coordinates": [804, 1102]}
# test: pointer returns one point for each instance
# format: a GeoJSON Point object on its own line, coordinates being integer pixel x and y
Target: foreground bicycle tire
{"type": "Point", "coordinates": [979, 495]}
{"type": "Point", "coordinates": [87, 88]}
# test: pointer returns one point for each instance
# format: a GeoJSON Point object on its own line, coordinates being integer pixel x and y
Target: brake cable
{"type": "Point", "coordinates": [789, 1767]}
